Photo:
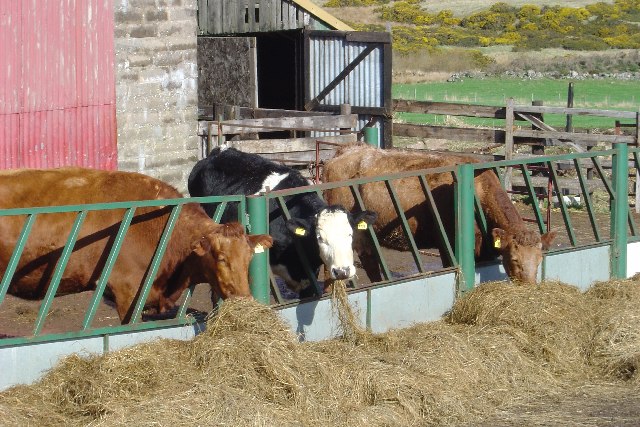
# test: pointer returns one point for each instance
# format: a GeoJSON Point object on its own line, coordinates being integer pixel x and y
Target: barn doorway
{"type": "Point", "coordinates": [280, 70]}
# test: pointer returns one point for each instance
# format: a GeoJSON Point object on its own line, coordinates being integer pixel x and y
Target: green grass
{"type": "Point", "coordinates": [597, 94]}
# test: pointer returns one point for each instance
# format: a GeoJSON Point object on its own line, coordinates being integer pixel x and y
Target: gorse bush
{"type": "Point", "coordinates": [596, 26]}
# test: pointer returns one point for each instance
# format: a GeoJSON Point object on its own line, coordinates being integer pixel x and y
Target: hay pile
{"type": "Point", "coordinates": [550, 322]}
{"type": "Point", "coordinates": [616, 342]}
{"type": "Point", "coordinates": [501, 345]}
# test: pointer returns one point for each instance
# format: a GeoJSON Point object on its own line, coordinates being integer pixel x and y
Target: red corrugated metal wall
{"type": "Point", "coordinates": [57, 84]}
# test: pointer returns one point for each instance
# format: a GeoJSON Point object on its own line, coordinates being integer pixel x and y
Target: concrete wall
{"type": "Point", "coordinates": [156, 88]}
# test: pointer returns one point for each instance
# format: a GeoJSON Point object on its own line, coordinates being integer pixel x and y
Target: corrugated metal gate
{"type": "Point", "coordinates": [350, 68]}
{"type": "Point", "coordinates": [57, 84]}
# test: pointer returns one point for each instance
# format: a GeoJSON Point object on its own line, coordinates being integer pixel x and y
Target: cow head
{"type": "Point", "coordinates": [521, 252]}
{"type": "Point", "coordinates": [333, 228]}
{"type": "Point", "coordinates": [225, 254]}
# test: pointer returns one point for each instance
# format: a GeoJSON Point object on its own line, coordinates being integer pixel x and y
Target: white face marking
{"type": "Point", "coordinates": [272, 180]}
{"type": "Point", "coordinates": [335, 237]}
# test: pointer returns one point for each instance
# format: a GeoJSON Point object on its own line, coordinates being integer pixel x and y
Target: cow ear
{"type": "Point", "coordinates": [365, 219]}
{"type": "Point", "coordinates": [298, 227]}
{"type": "Point", "coordinates": [499, 238]}
{"type": "Point", "coordinates": [201, 246]}
{"type": "Point", "coordinates": [259, 242]}
{"type": "Point", "coordinates": [547, 238]}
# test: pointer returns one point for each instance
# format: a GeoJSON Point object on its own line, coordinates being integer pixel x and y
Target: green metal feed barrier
{"type": "Point", "coordinates": [81, 211]}
{"type": "Point", "coordinates": [459, 253]}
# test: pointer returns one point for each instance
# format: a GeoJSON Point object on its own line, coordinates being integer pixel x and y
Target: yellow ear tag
{"type": "Point", "coordinates": [258, 249]}
{"type": "Point", "coordinates": [497, 244]}
{"type": "Point", "coordinates": [362, 225]}
{"type": "Point", "coordinates": [300, 231]}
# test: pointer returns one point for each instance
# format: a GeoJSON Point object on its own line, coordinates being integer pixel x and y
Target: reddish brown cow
{"type": "Point", "coordinates": [199, 250]}
{"type": "Point", "coordinates": [521, 248]}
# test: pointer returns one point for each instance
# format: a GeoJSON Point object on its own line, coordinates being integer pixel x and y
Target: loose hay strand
{"type": "Point", "coordinates": [351, 328]}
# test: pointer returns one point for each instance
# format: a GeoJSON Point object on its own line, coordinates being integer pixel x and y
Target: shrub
{"type": "Point", "coordinates": [584, 43]}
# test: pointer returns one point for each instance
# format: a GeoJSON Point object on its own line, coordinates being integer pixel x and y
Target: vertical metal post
{"type": "Point", "coordinates": [259, 266]}
{"type": "Point", "coordinates": [465, 226]}
{"type": "Point", "coordinates": [619, 211]}
{"type": "Point", "coordinates": [371, 135]}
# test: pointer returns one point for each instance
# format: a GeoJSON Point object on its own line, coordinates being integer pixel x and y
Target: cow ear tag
{"type": "Point", "coordinates": [362, 225]}
{"type": "Point", "coordinates": [258, 249]}
{"type": "Point", "coordinates": [300, 231]}
{"type": "Point", "coordinates": [497, 243]}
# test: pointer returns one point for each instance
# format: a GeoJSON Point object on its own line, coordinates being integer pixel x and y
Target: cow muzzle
{"type": "Point", "coordinates": [342, 273]}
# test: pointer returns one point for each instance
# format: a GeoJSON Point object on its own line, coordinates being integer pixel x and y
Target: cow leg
{"type": "Point", "coordinates": [123, 297]}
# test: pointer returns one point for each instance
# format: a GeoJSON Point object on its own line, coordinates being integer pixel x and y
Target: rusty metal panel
{"type": "Point", "coordinates": [57, 84]}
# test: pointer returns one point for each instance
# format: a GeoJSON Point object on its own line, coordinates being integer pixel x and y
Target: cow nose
{"type": "Point", "coordinates": [340, 273]}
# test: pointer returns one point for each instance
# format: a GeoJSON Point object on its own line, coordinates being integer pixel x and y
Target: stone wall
{"type": "Point", "coordinates": [156, 88]}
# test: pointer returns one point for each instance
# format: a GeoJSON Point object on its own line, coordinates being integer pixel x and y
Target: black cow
{"type": "Point", "coordinates": [326, 232]}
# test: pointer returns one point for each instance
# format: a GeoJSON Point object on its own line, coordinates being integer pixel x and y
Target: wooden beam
{"type": "Point", "coordinates": [322, 15]}
{"type": "Point", "coordinates": [289, 145]}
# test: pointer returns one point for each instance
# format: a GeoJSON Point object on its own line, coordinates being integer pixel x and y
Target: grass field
{"type": "Point", "coordinates": [597, 94]}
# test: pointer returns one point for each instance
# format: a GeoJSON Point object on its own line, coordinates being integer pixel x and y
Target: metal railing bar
{"type": "Point", "coordinates": [217, 214]}
{"type": "Point", "coordinates": [119, 205]}
{"type": "Point", "coordinates": [54, 283]}
{"type": "Point", "coordinates": [587, 200]}
{"type": "Point", "coordinates": [405, 225]}
{"type": "Point", "coordinates": [108, 267]}
{"type": "Point", "coordinates": [563, 205]}
{"type": "Point", "coordinates": [155, 263]}
{"type": "Point", "coordinates": [542, 226]}
{"type": "Point", "coordinates": [15, 256]}
{"type": "Point", "coordinates": [188, 293]}
{"type": "Point", "coordinates": [444, 238]}
{"type": "Point", "coordinates": [303, 257]}
{"type": "Point", "coordinates": [275, 289]}
{"type": "Point", "coordinates": [372, 234]}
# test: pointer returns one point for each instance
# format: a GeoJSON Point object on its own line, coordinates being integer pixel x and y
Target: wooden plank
{"type": "Point", "coordinates": [309, 123]}
{"type": "Point", "coordinates": [241, 26]}
{"type": "Point", "coordinates": [299, 157]}
{"type": "Point", "coordinates": [577, 138]}
{"type": "Point", "coordinates": [465, 110]}
{"type": "Point", "coordinates": [575, 111]}
{"type": "Point", "coordinates": [263, 113]}
{"type": "Point", "coordinates": [288, 145]}
{"type": "Point", "coordinates": [322, 15]}
{"type": "Point", "coordinates": [442, 132]}
{"type": "Point", "coordinates": [203, 14]}
{"type": "Point", "coordinates": [252, 24]}
{"type": "Point", "coordinates": [368, 37]}
{"type": "Point", "coordinates": [293, 17]}
{"type": "Point", "coordinates": [214, 26]}
{"type": "Point", "coordinates": [508, 145]}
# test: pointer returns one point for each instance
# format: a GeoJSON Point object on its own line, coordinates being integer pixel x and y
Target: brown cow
{"type": "Point", "coordinates": [520, 247]}
{"type": "Point", "coordinates": [199, 250]}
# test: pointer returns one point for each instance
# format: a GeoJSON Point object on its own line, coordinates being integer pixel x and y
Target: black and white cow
{"type": "Point", "coordinates": [326, 232]}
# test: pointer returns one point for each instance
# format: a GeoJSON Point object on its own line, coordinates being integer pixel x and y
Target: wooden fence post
{"type": "Point", "coordinates": [508, 143]}
{"type": "Point", "coordinates": [569, 127]}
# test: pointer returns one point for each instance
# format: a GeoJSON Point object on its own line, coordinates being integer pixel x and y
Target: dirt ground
{"type": "Point", "coordinates": [602, 405]}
